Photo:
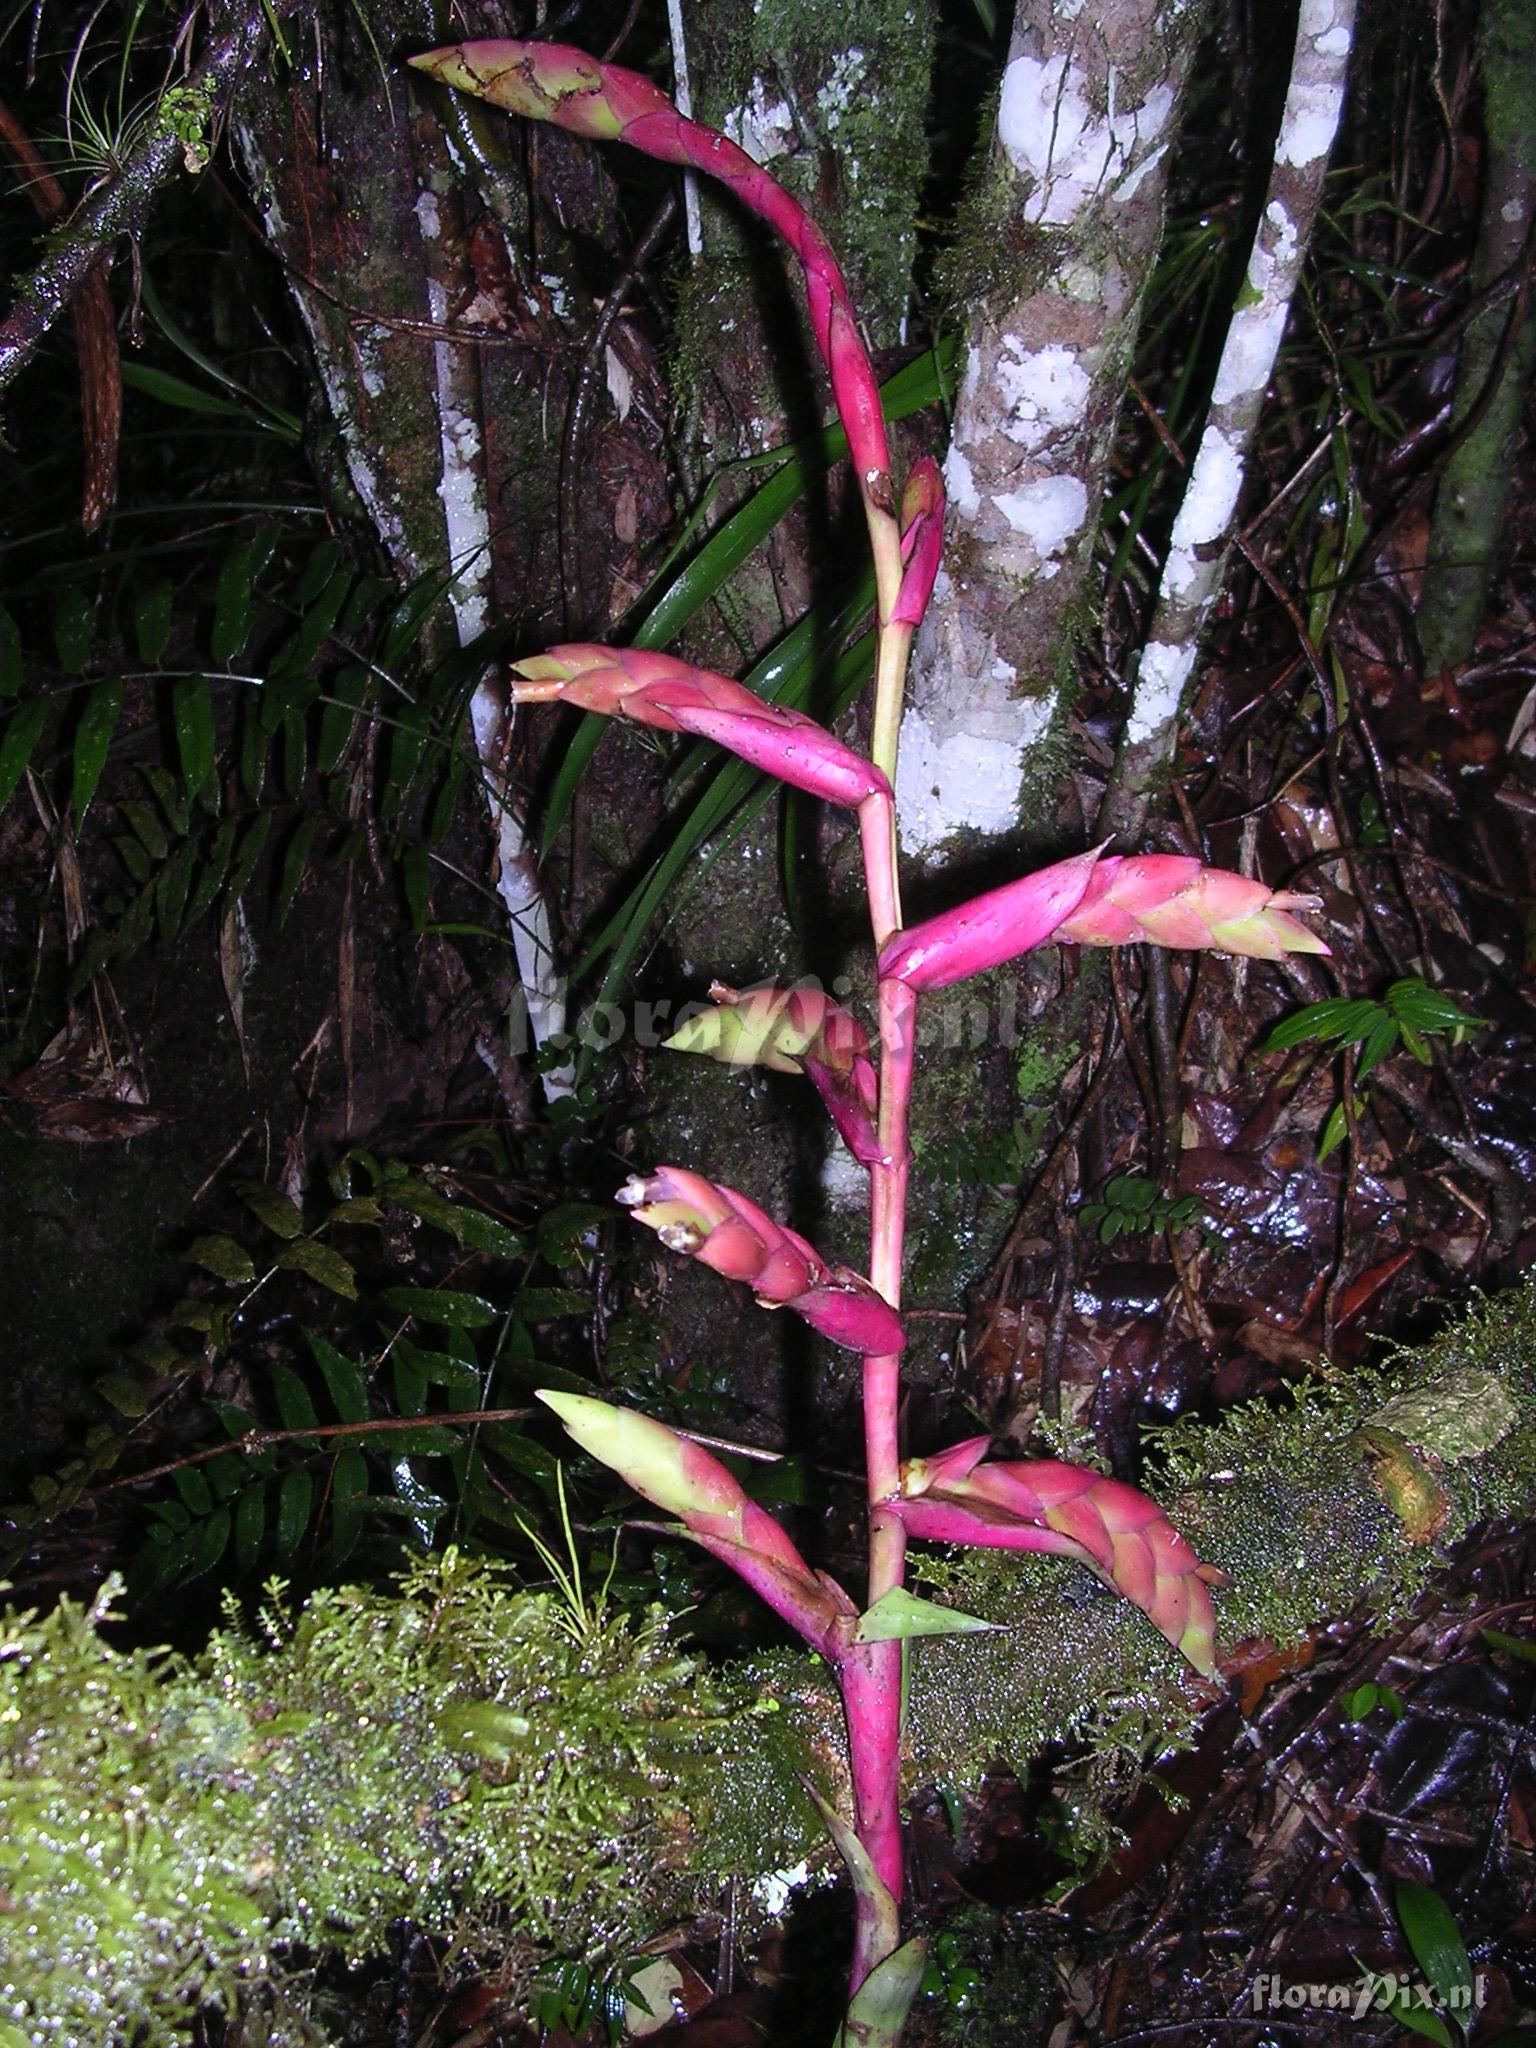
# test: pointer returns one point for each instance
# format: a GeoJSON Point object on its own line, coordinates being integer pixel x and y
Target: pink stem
{"type": "Point", "coordinates": [871, 1677]}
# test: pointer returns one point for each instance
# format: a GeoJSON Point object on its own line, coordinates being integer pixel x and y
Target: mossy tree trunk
{"type": "Point", "coordinates": [1498, 355]}
{"type": "Point", "coordinates": [1057, 251]}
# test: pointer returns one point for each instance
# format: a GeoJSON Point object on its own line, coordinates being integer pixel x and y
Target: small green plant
{"type": "Point", "coordinates": [1365, 1699]}
{"type": "Point", "coordinates": [1133, 1203]}
{"type": "Point", "coordinates": [1406, 1018]}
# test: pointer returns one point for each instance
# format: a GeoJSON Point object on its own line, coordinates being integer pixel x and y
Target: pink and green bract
{"type": "Point", "coordinates": [1091, 898]}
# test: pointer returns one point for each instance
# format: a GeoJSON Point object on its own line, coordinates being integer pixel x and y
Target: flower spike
{"type": "Point", "coordinates": [674, 696]}
{"type": "Point", "coordinates": [989, 929]}
{"type": "Point", "coordinates": [1173, 900]}
{"type": "Point", "coordinates": [794, 1031]}
{"type": "Point", "coordinates": [922, 540]}
{"type": "Point", "coordinates": [1074, 1511]}
{"type": "Point", "coordinates": [723, 1229]}
{"type": "Point", "coordinates": [680, 1477]}
{"type": "Point", "coordinates": [552, 82]}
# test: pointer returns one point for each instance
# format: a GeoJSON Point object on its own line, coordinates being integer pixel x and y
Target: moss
{"type": "Point", "coordinates": [478, 1760]}
{"type": "Point", "coordinates": [499, 1767]}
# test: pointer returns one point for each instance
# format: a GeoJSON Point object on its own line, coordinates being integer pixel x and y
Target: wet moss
{"type": "Point", "coordinates": [482, 1761]}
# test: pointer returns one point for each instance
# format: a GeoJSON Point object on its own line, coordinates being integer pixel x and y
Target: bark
{"type": "Point", "coordinates": [1071, 219]}
{"type": "Point", "coordinates": [1202, 532]}
{"type": "Point", "coordinates": [1497, 357]}
{"type": "Point", "coordinates": [448, 325]}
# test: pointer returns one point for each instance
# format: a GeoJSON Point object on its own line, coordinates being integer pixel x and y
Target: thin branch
{"type": "Point", "coordinates": [263, 1439]}
{"type": "Point", "coordinates": [1202, 533]}
{"type": "Point", "coordinates": [121, 207]}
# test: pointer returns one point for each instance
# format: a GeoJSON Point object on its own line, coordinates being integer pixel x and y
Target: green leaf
{"type": "Point", "coordinates": [295, 861]}
{"type": "Point", "coordinates": [271, 1207]}
{"type": "Point", "coordinates": [93, 737]}
{"type": "Point", "coordinates": [1514, 1646]}
{"type": "Point", "coordinates": [784, 676]}
{"type": "Point", "coordinates": [676, 596]}
{"type": "Point", "coordinates": [224, 1258]}
{"type": "Point", "coordinates": [1429, 1009]}
{"type": "Point", "coordinates": [1335, 1131]}
{"type": "Point", "coordinates": [293, 1402]}
{"type": "Point", "coordinates": [250, 1528]}
{"type": "Point", "coordinates": [470, 1226]}
{"type": "Point", "coordinates": [424, 1505]}
{"type": "Point", "coordinates": [295, 1498]}
{"type": "Point", "coordinates": [438, 1369]}
{"type": "Point", "coordinates": [126, 1394]}
{"type": "Point", "coordinates": [1417, 2020]}
{"type": "Point", "coordinates": [253, 749]}
{"type": "Point", "coordinates": [211, 870]}
{"type": "Point", "coordinates": [191, 1484]}
{"type": "Point", "coordinates": [252, 846]}
{"type": "Point", "coordinates": [879, 2008]}
{"type": "Point", "coordinates": [152, 621]}
{"type": "Point", "coordinates": [175, 391]}
{"type": "Point", "coordinates": [320, 1263]}
{"type": "Point", "coordinates": [1436, 1941]}
{"type": "Point", "coordinates": [71, 628]}
{"type": "Point", "coordinates": [563, 1232]}
{"type": "Point", "coordinates": [416, 881]}
{"type": "Point", "coordinates": [1365, 1699]}
{"type": "Point", "coordinates": [522, 1453]}
{"type": "Point", "coordinates": [343, 1380]}
{"type": "Point", "coordinates": [898, 1614]}
{"type": "Point", "coordinates": [171, 887]}
{"type": "Point", "coordinates": [546, 1304]}
{"type": "Point", "coordinates": [234, 605]}
{"type": "Point", "coordinates": [192, 716]}
{"type": "Point", "coordinates": [410, 1384]}
{"type": "Point", "coordinates": [144, 822]}
{"type": "Point", "coordinates": [347, 694]}
{"type": "Point", "coordinates": [206, 1543]}
{"type": "Point", "coordinates": [349, 1495]}
{"type": "Point", "coordinates": [12, 668]}
{"type": "Point", "coordinates": [1379, 1043]}
{"type": "Point", "coordinates": [454, 1311]}
{"type": "Point", "coordinates": [23, 729]}
{"type": "Point", "coordinates": [170, 796]}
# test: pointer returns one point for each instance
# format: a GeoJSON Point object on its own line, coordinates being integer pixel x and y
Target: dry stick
{"type": "Point", "coordinates": [1202, 533]}
{"type": "Point", "coordinates": [122, 206]}
{"type": "Point", "coordinates": [262, 1439]}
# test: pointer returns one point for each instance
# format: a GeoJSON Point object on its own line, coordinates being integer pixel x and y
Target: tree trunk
{"type": "Point", "coordinates": [1060, 246]}
{"type": "Point", "coordinates": [1498, 355]}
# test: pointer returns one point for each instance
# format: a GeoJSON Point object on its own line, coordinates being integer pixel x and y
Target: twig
{"type": "Point", "coordinates": [263, 1439]}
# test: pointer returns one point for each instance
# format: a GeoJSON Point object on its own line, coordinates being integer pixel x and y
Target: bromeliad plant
{"type": "Point", "coordinates": [959, 1496]}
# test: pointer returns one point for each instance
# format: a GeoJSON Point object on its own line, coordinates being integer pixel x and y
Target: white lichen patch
{"type": "Point", "coordinates": [1056, 137]}
{"type": "Point", "coordinates": [428, 219]}
{"type": "Point", "coordinates": [1327, 26]}
{"type": "Point", "coordinates": [1210, 498]}
{"type": "Point", "coordinates": [763, 125]}
{"type": "Point", "coordinates": [1044, 390]}
{"type": "Point", "coordinates": [1316, 96]}
{"type": "Point", "coordinates": [1253, 342]}
{"type": "Point", "coordinates": [1047, 512]}
{"type": "Point", "coordinates": [846, 80]}
{"type": "Point", "coordinates": [964, 775]}
{"type": "Point", "coordinates": [960, 484]}
{"type": "Point", "coordinates": [1160, 684]}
